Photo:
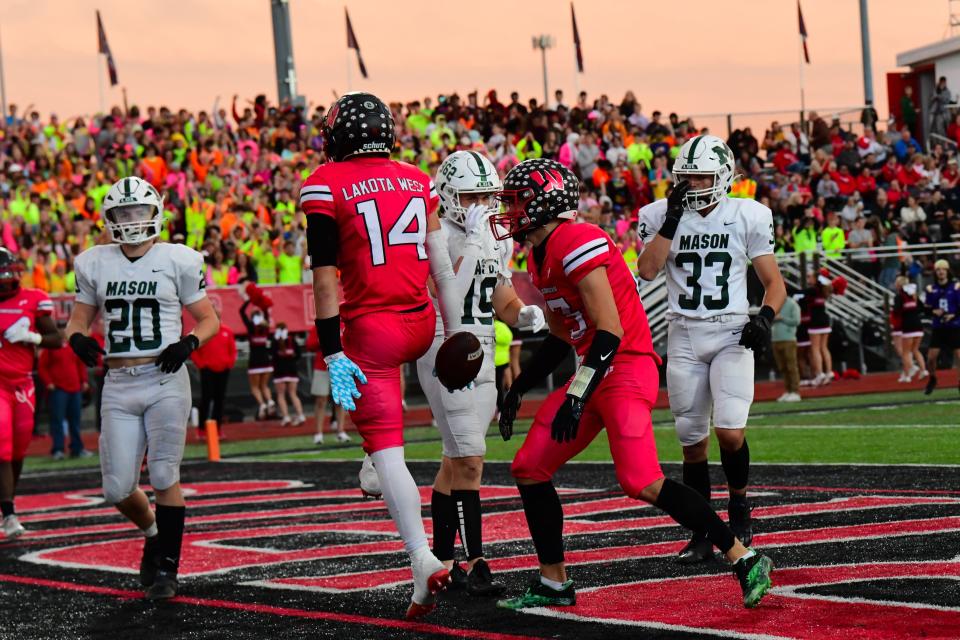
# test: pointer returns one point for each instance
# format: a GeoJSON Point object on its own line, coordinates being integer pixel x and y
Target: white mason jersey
{"type": "Point", "coordinates": [141, 300]}
{"type": "Point", "coordinates": [707, 264]}
{"type": "Point", "coordinates": [493, 270]}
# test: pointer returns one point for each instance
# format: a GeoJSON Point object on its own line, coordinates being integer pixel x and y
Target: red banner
{"type": "Point", "coordinates": [292, 304]}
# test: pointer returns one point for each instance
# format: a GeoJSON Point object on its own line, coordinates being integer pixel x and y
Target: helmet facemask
{"type": "Point", "coordinates": [133, 224]}
{"type": "Point", "coordinates": [513, 221]}
{"type": "Point", "coordinates": [699, 199]}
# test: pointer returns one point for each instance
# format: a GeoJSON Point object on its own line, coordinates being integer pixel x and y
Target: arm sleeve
{"type": "Point", "coordinates": [505, 276]}
{"type": "Point", "coordinates": [191, 283]}
{"type": "Point", "coordinates": [323, 241]}
{"type": "Point", "coordinates": [441, 270]}
{"type": "Point", "coordinates": [760, 240]}
{"type": "Point", "coordinates": [86, 287]}
{"type": "Point", "coordinates": [44, 305]}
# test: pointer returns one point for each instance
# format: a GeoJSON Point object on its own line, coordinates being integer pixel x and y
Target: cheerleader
{"type": "Point", "coordinates": [286, 355]}
{"type": "Point", "coordinates": [817, 293]}
{"type": "Point", "coordinates": [896, 326]}
{"type": "Point", "coordinates": [908, 306]}
{"type": "Point", "coordinates": [259, 366]}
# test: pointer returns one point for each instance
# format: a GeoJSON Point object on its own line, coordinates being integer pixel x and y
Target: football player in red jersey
{"type": "Point", "coordinates": [594, 306]}
{"type": "Point", "coordinates": [25, 324]}
{"type": "Point", "coordinates": [374, 219]}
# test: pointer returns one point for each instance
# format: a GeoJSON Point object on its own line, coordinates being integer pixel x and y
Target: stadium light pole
{"type": "Point", "coordinates": [865, 53]}
{"type": "Point", "coordinates": [283, 53]}
{"type": "Point", "coordinates": [544, 42]}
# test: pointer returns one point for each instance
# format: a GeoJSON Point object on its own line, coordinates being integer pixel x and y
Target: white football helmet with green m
{"type": "Point", "coordinates": [465, 172]}
{"type": "Point", "coordinates": [710, 156]}
{"type": "Point", "coordinates": [133, 211]}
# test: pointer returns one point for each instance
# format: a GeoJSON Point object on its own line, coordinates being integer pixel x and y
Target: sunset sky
{"type": "Point", "coordinates": [689, 56]}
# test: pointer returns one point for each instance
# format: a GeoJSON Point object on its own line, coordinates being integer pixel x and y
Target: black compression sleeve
{"type": "Point", "coordinates": [599, 358]}
{"type": "Point", "coordinates": [328, 333]}
{"type": "Point", "coordinates": [323, 241]}
{"type": "Point", "coordinates": [550, 354]}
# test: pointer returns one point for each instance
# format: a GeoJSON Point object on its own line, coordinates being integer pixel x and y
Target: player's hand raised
{"type": "Point", "coordinates": [475, 221]}
{"type": "Point", "coordinates": [567, 420]}
{"type": "Point", "coordinates": [676, 203]}
{"type": "Point", "coordinates": [343, 376]}
{"type": "Point", "coordinates": [531, 318]}
{"type": "Point", "coordinates": [508, 413]}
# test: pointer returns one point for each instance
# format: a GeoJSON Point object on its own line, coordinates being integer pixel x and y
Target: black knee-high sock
{"type": "Point", "coordinates": [6, 508]}
{"type": "Point", "coordinates": [170, 536]}
{"type": "Point", "coordinates": [696, 475]}
{"type": "Point", "coordinates": [469, 521]}
{"type": "Point", "coordinates": [736, 466]}
{"type": "Point", "coordinates": [541, 506]}
{"type": "Point", "coordinates": [690, 510]}
{"type": "Point", "coordinates": [444, 515]}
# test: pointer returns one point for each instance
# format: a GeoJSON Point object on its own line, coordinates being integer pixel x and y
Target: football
{"type": "Point", "coordinates": [459, 360]}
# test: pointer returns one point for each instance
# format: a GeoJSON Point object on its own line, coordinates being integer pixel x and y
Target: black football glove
{"type": "Point", "coordinates": [676, 203]}
{"type": "Point", "coordinates": [508, 413]}
{"type": "Point", "coordinates": [86, 348]}
{"type": "Point", "coordinates": [756, 333]}
{"type": "Point", "coordinates": [173, 357]}
{"type": "Point", "coordinates": [567, 420]}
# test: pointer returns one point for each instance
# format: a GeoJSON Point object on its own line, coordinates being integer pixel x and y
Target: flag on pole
{"type": "Point", "coordinates": [803, 34]}
{"type": "Point", "coordinates": [576, 39]}
{"type": "Point", "coordinates": [353, 44]}
{"type": "Point", "coordinates": [104, 48]}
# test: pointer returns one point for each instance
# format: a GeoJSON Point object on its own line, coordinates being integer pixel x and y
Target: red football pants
{"type": "Point", "coordinates": [17, 402]}
{"type": "Point", "coordinates": [622, 404]}
{"type": "Point", "coordinates": [379, 343]}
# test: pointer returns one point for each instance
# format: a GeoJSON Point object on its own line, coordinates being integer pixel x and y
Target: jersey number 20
{"type": "Point", "coordinates": [410, 228]}
{"type": "Point", "coordinates": [134, 309]}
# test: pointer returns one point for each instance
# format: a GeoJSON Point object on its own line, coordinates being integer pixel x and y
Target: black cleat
{"type": "Point", "coordinates": [458, 578]}
{"type": "Point", "coordinates": [148, 561]}
{"type": "Point", "coordinates": [699, 549]}
{"type": "Point", "coordinates": [931, 384]}
{"type": "Point", "coordinates": [540, 595]}
{"type": "Point", "coordinates": [738, 509]}
{"type": "Point", "coordinates": [480, 581]}
{"type": "Point", "coordinates": [754, 576]}
{"type": "Point", "coordinates": [164, 586]}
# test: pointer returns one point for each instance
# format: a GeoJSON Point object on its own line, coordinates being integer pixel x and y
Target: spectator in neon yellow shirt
{"type": "Point", "coordinates": [443, 135]}
{"type": "Point", "coordinates": [833, 238]}
{"type": "Point", "coordinates": [290, 265]}
{"type": "Point", "coordinates": [534, 151]}
{"type": "Point", "coordinates": [265, 261]}
{"type": "Point", "coordinates": [639, 151]}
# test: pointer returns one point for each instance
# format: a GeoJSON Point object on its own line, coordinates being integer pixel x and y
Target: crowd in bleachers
{"type": "Point", "coordinates": [230, 176]}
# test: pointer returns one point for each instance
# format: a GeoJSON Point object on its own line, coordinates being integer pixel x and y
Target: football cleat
{"type": "Point", "coordinates": [480, 581]}
{"type": "Point", "coordinates": [343, 437]}
{"type": "Point", "coordinates": [458, 577]}
{"type": "Point", "coordinates": [931, 384]}
{"type": "Point", "coordinates": [738, 509]}
{"type": "Point", "coordinates": [164, 586]}
{"type": "Point", "coordinates": [12, 528]}
{"type": "Point", "coordinates": [369, 480]}
{"type": "Point", "coordinates": [540, 595]}
{"type": "Point", "coordinates": [754, 575]}
{"type": "Point", "coordinates": [429, 578]}
{"type": "Point", "coordinates": [148, 561]}
{"type": "Point", "coordinates": [699, 549]}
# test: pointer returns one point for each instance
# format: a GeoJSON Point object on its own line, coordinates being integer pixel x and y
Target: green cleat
{"type": "Point", "coordinates": [754, 575]}
{"type": "Point", "coordinates": [540, 595]}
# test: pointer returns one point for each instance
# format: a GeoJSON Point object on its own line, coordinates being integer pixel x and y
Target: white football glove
{"type": "Point", "coordinates": [475, 221]}
{"type": "Point", "coordinates": [19, 331]}
{"type": "Point", "coordinates": [531, 318]}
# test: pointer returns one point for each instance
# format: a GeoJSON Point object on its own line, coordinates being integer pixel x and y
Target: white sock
{"type": "Point", "coordinates": [402, 497]}
{"type": "Point", "coordinates": [150, 531]}
{"type": "Point", "coordinates": [553, 584]}
{"type": "Point", "coordinates": [749, 554]}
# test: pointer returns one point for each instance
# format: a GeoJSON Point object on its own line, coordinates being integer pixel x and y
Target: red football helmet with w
{"type": "Point", "coordinates": [534, 193]}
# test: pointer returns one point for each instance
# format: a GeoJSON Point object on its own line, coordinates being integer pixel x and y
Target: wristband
{"type": "Point", "coordinates": [669, 227]}
{"type": "Point", "coordinates": [328, 334]}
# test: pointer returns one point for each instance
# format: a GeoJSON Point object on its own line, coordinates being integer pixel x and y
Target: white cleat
{"type": "Point", "coordinates": [429, 578]}
{"type": "Point", "coordinates": [318, 438]}
{"type": "Point", "coordinates": [369, 480]}
{"type": "Point", "coordinates": [343, 436]}
{"type": "Point", "coordinates": [12, 528]}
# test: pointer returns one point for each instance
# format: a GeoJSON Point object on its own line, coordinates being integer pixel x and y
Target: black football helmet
{"type": "Point", "coordinates": [358, 124]}
{"type": "Point", "coordinates": [10, 271]}
{"type": "Point", "coordinates": [534, 193]}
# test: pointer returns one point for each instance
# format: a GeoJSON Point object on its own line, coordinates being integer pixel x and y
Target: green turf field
{"type": "Point", "coordinates": [889, 428]}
